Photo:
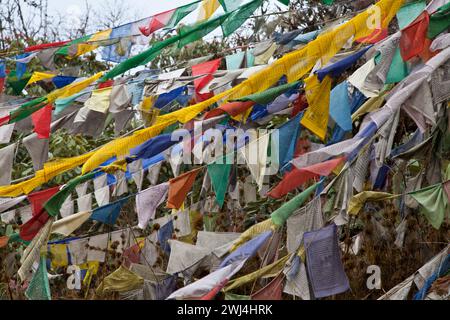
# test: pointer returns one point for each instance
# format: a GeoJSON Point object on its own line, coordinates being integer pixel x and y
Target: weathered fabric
{"type": "Point", "coordinates": [307, 218]}
{"type": "Point", "coordinates": [325, 269]}
{"type": "Point", "coordinates": [434, 203]}
{"type": "Point", "coordinates": [85, 203]}
{"type": "Point", "coordinates": [97, 247]}
{"type": "Point", "coordinates": [179, 188]}
{"type": "Point", "coordinates": [185, 256]}
{"type": "Point", "coordinates": [120, 280]}
{"type": "Point", "coordinates": [6, 203]}
{"type": "Point", "coordinates": [296, 279]}
{"type": "Point", "coordinates": [147, 201]}
{"type": "Point", "coordinates": [68, 225]}
{"type": "Point", "coordinates": [7, 155]}
{"type": "Point", "coordinates": [272, 291]}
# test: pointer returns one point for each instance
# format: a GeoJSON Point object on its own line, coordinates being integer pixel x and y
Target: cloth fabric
{"type": "Point", "coordinates": [102, 196]}
{"type": "Point", "coordinates": [164, 234]}
{"type": "Point", "coordinates": [413, 37]}
{"type": "Point", "coordinates": [288, 135]}
{"type": "Point", "coordinates": [184, 256]}
{"type": "Point", "coordinates": [247, 250]}
{"type": "Point", "coordinates": [84, 203]}
{"type": "Point", "coordinates": [235, 61]}
{"type": "Point", "coordinates": [99, 100]}
{"type": "Point", "coordinates": [67, 207]}
{"type": "Point", "coordinates": [256, 158]}
{"type": "Point", "coordinates": [7, 155]}
{"type": "Point", "coordinates": [179, 187]}
{"type": "Point", "coordinates": [439, 21]}
{"type": "Point", "coordinates": [280, 216]}
{"type": "Point", "coordinates": [62, 81]}
{"type": "Point", "coordinates": [219, 173]}
{"type": "Point", "coordinates": [41, 121]}
{"type": "Point", "coordinates": [39, 198]}
{"type": "Point", "coordinates": [340, 106]}
{"type": "Point", "coordinates": [6, 203]}
{"type": "Point", "coordinates": [207, 9]}
{"type": "Point", "coordinates": [39, 76]}
{"type": "Point", "coordinates": [307, 218]}
{"type": "Point", "coordinates": [336, 69]}
{"type": "Point", "coordinates": [434, 203]}
{"type": "Point", "coordinates": [108, 214]}
{"type": "Point", "coordinates": [39, 287]}
{"type": "Point", "coordinates": [201, 287]}
{"type": "Point", "coordinates": [318, 96]}
{"type": "Point", "coordinates": [120, 280]}
{"type": "Point", "coordinates": [97, 246]}
{"type": "Point", "coordinates": [297, 177]}
{"type": "Point", "coordinates": [269, 95]}
{"type": "Point", "coordinates": [238, 17]}
{"type": "Point", "coordinates": [409, 12]}
{"type": "Point", "coordinates": [325, 269]}
{"type": "Point", "coordinates": [358, 78]}
{"type": "Point", "coordinates": [38, 150]}
{"type": "Point", "coordinates": [147, 201]}
{"type": "Point", "coordinates": [272, 291]}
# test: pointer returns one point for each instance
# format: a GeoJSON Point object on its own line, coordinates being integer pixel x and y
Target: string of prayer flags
{"type": "Point", "coordinates": [179, 188]}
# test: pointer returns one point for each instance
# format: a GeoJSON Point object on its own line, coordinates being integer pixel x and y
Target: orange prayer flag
{"type": "Point", "coordinates": [179, 187]}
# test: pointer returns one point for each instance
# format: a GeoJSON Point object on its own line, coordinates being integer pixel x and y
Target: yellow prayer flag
{"type": "Point", "coordinates": [38, 76]}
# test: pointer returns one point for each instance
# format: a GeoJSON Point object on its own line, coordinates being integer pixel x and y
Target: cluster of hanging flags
{"type": "Point", "coordinates": [336, 154]}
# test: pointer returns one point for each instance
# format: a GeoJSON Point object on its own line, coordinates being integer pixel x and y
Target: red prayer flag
{"type": "Point", "coordinates": [46, 46]}
{"type": "Point", "coordinates": [41, 121]}
{"type": "Point", "coordinates": [4, 120]}
{"type": "Point", "coordinates": [39, 198]}
{"type": "Point", "coordinates": [179, 187]}
{"type": "Point", "coordinates": [2, 85]}
{"type": "Point", "coordinates": [4, 241]}
{"type": "Point", "coordinates": [272, 291]}
{"type": "Point", "coordinates": [207, 69]}
{"type": "Point", "coordinates": [29, 230]}
{"type": "Point", "coordinates": [106, 84]}
{"type": "Point", "coordinates": [157, 22]}
{"type": "Point", "coordinates": [296, 177]}
{"type": "Point", "coordinates": [232, 108]}
{"type": "Point", "coordinates": [412, 41]}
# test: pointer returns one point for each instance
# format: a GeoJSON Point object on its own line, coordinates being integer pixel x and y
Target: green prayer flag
{"type": "Point", "coordinates": [280, 215]}
{"type": "Point", "coordinates": [54, 204]}
{"type": "Point", "coordinates": [238, 17]}
{"type": "Point", "coordinates": [230, 5]}
{"type": "Point", "coordinates": [180, 13]}
{"type": "Point", "coordinates": [197, 31]}
{"type": "Point", "coordinates": [26, 109]}
{"type": "Point", "coordinates": [409, 12]}
{"type": "Point", "coordinates": [439, 21]}
{"type": "Point", "coordinates": [269, 95]}
{"type": "Point", "coordinates": [219, 173]}
{"type": "Point", "coordinates": [398, 69]}
{"type": "Point", "coordinates": [39, 287]}
{"type": "Point", "coordinates": [17, 84]}
{"type": "Point", "coordinates": [328, 2]}
{"type": "Point", "coordinates": [434, 203]}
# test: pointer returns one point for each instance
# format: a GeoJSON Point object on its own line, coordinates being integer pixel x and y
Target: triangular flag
{"type": "Point", "coordinates": [179, 187]}
{"type": "Point", "coordinates": [219, 174]}
{"type": "Point", "coordinates": [41, 121]}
